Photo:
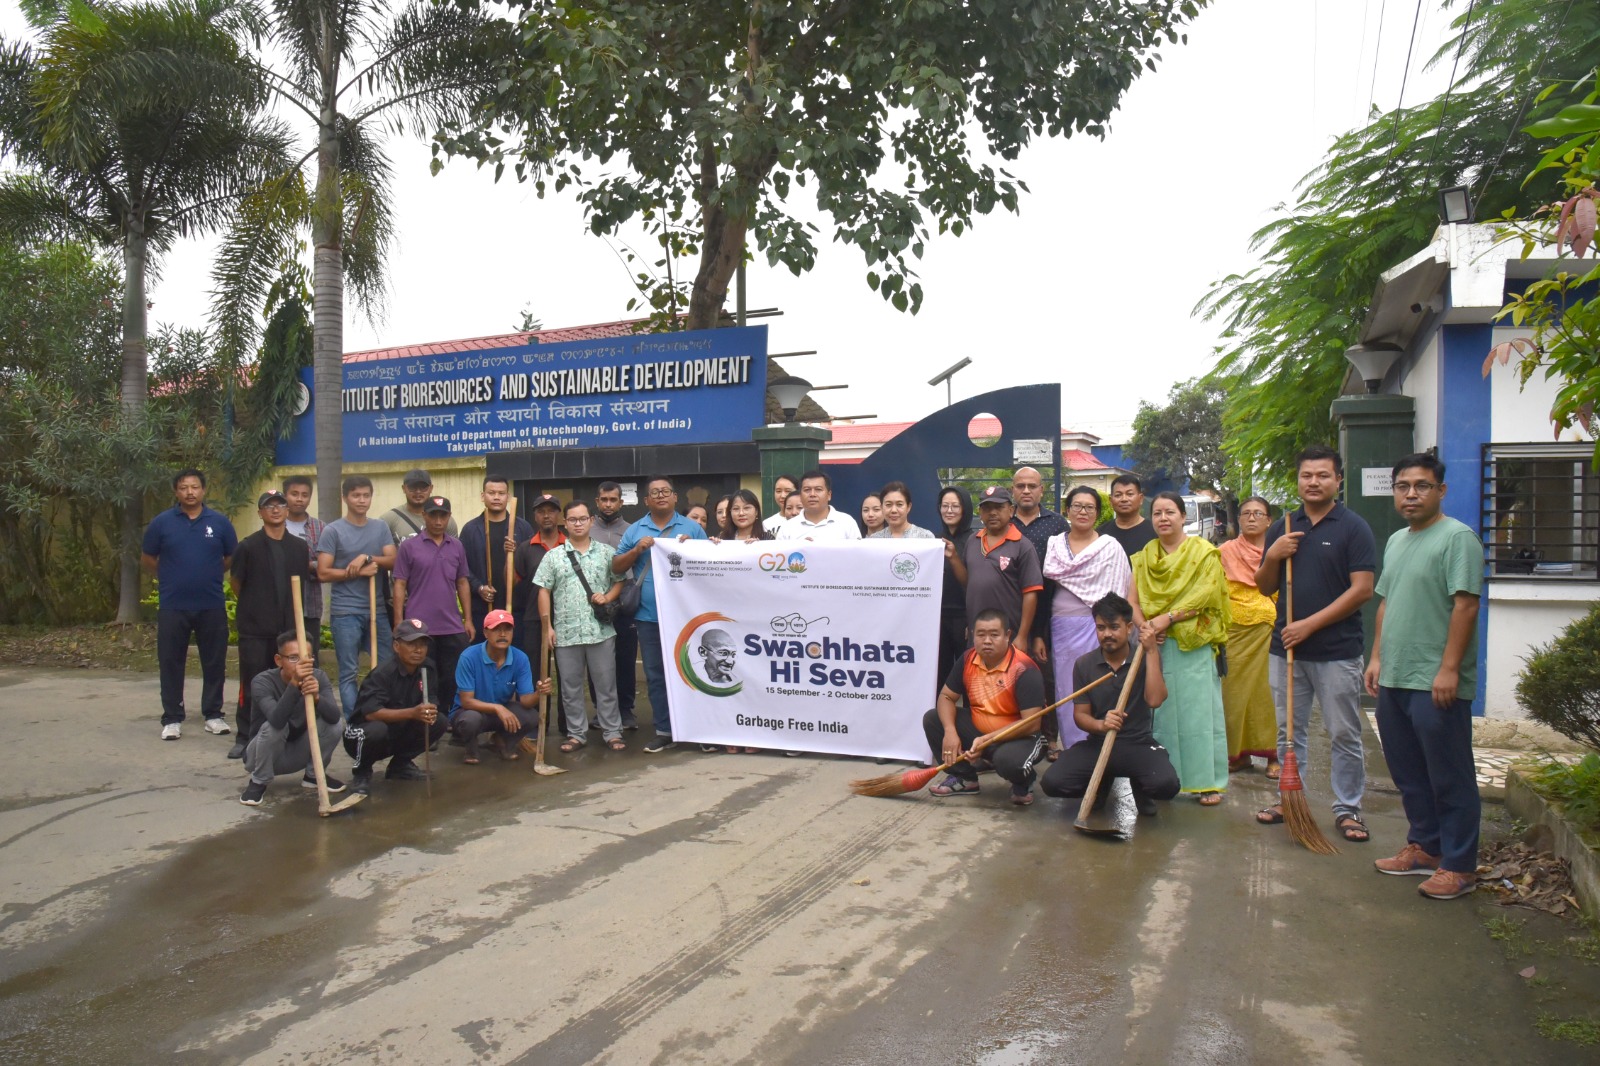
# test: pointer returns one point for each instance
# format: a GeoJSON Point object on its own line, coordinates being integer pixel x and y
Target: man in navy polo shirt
{"type": "Point", "coordinates": [188, 549]}
{"type": "Point", "coordinates": [1335, 559]}
{"type": "Point", "coordinates": [633, 553]}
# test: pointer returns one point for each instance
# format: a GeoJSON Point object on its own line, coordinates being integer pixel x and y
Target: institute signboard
{"type": "Point", "coordinates": [704, 386]}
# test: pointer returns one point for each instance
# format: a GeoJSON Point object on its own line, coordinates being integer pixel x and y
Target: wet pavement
{"type": "Point", "coordinates": [689, 908]}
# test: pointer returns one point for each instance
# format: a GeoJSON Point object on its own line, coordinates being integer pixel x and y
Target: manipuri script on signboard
{"type": "Point", "coordinates": [651, 389]}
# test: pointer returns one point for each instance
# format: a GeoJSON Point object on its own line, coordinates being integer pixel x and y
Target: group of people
{"type": "Point", "coordinates": [1037, 605]}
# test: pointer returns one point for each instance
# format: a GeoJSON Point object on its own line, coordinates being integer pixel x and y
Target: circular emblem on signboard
{"type": "Point", "coordinates": [905, 567]}
{"type": "Point", "coordinates": [302, 399]}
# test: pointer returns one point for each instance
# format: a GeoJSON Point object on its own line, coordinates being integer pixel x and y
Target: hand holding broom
{"type": "Point", "coordinates": [1082, 822]}
{"type": "Point", "coordinates": [324, 808]}
{"type": "Point", "coordinates": [1291, 790]}
{"type": "Point", "coordinates": [913, 780]}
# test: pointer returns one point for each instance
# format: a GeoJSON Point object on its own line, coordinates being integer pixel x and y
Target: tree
{"type": "Point", "coordinates": [719, 111]}
{"type": "Point", "coordinates": [1182, 441]}
{"type": "Point", "coordinates": [353, 68]}
{"type": "Point", "coordinates": [1371, 205]}
{"type": "Point", "coordinates": [135, 126]}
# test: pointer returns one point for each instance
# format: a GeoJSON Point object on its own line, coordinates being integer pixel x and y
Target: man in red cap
{"type": "Point", "coordinates": [495, 691]}
{"type": "Point", "coordinates": [1000, 568]}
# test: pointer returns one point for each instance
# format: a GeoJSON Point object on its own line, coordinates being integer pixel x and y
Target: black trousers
{"type": "Point", "coordinates": [445, 654]}
{"type": "Point", "coordinates": [255, 655]}
{"type": "Point", "coordinates": [1146, 767]}
{"type": "Point", "coordinates": [210, 632]}
{"type": "Point", "coordinates": [952, 642]}
{"type": "Point", "coordinates": [627, 663]}
{"type": "Point", "coordinates": [1013, 760]}
{"type": "Point", "coordinates": [371, 742]}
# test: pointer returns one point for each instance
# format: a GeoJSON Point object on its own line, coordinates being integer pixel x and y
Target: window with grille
{"type": "Point", "coordinates": [1541, 510]}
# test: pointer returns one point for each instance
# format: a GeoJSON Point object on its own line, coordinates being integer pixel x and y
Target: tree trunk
{"type": "Point", "coordinates": [721, 251]}
{"type": "Point", "coordinates": [135, 394]}
{"type": "Point", "coordinates": [327, 222]}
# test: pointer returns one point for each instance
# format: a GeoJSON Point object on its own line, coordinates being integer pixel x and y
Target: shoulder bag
{"type": "Point", "coordinates": [604, 613]}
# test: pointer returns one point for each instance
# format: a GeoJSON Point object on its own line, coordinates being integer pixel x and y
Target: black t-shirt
{"type": "Point", "coordinates": [1339, 545]}
{"type": "Point", "coordinates": [261, 566]}
{"type": "Point", "coordinates": [1133, 538]}
{"type": "Point", "coordinates": [390, 686]}
{"type": "Point", "coordinates": [1136, 728]}
{"type": "Point", "coordinates": [1038, 533]}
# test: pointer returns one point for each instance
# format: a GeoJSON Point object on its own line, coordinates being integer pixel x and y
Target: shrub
{"type": "Point", "coordinates": [1560, 683]}
{"type": "Point", "coordinates": [1575, 787]}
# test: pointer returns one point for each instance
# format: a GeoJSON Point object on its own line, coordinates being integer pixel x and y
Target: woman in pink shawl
{"type": "Point", "coordinates": [1246, 697]}
{"type": "Point", "coordinates": [1085, 565]}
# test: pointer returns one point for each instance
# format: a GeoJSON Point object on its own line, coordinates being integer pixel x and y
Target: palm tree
{"type": "Point", "coordinates": [134, 126]}
{"type": "Point", "coordinates": [353, 69]}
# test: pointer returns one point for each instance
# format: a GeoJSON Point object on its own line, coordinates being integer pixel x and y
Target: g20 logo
{"type": "Point", "coordinates": [790, 562]}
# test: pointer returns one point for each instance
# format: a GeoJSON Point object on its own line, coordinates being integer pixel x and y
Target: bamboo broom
{"type": "Point", "coordinates": [1291, 790]}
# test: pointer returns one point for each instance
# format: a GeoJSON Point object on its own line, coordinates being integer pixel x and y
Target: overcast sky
{"type": "Point", "coordinates": [1092, 284]}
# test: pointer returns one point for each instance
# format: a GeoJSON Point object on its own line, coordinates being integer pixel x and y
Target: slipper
{"type": "Point", "coordinates": [1349, 826]}
{"type": "Point", "coordinates": [572, 744]}
{"type": "Point", "coordinates": [1243, 762]}
{"type": "Point", "coordinates": [470, 760]}
{"type": "Point", "coordinates": [1270, 815]}
{"type": "Point", "coordinates": [1274, 771]}
{"type": "Point", "coordinates": [617, 744]}
{"type": "Point", "coordinates": [1209, 799]}
{"type": "Point", "coordinates": [507, 748]}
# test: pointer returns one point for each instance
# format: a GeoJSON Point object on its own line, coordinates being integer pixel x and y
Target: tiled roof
{"type": "Point", "coordinates": [1081, 461]}
{"type": "Point", "coordinates": [598, 331]}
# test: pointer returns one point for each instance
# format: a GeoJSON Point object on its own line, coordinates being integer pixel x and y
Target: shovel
{"type": "Point", "coordinates": [1082, 823]}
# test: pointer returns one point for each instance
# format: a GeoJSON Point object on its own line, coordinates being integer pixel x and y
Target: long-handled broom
{"type": "Point", "coordinates": [914, 780]}
{"type": "Point", "coordinates": [1291, 790]}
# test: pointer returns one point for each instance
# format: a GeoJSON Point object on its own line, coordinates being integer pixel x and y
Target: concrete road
{"type": "Point", "coordinates": [688, 908]}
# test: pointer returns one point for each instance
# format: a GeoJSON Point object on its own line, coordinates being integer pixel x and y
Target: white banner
{"type": "Point", "coordinates": [801, 646]}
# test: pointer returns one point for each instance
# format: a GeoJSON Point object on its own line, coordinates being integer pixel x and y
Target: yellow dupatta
{"type": "Point", "coordinates": [1189, 579]}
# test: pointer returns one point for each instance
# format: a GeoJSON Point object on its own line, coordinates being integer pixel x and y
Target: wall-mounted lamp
{"type": "Point", "coordinates": [1455, 204]}
{"type": "Point", "coordinates": [1372, 361]}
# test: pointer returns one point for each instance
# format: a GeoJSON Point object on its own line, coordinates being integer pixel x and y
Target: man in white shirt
{"type": "Point", "coordinates": [817, 519]}
{"type": "Point", "coordinates": [782, 486]}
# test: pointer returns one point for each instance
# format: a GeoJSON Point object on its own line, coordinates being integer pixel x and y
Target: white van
{"type": "Point", "coordinates": [1203, 518]}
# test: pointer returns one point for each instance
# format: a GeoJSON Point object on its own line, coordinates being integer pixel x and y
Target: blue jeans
{"type": "Point", "coordinates": [350, 639]}
{"type": "Point", "coordinates": [1429, 752]}
{"type": "Point", "coordinates": [1337, 686]}
{"type": "Point", "coordinates": [655, 676]}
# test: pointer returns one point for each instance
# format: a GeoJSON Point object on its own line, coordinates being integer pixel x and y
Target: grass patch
{"type": "Point", "coordinates": [1584, 1031]}
{"type": "Point", "coordinates": [1511, 934]}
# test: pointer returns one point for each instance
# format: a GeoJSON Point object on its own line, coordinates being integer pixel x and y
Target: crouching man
{"type": "Point", "coordinates": [1001, 686]}
{"type": "Point", "coordinates": [495, 692]}
{"type": "Point", "coordinates": [282, 743]}
{"type": "Point", "coordinates": [395, 717]}
{"type": "Point", "coordinates": [1135, 755]}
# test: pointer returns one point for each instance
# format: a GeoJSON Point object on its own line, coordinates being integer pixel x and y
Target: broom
{"type": "Point", "coordinates": [913, 780]}
{"type": "Point", "coordinates": [1291, 791]}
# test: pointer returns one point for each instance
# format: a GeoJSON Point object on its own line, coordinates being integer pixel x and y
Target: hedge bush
{"type": "Point", "coordinates": [1560, 683]}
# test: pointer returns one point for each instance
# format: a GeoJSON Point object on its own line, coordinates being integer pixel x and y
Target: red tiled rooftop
{"type": "Point", "coordinates": [598, 331]}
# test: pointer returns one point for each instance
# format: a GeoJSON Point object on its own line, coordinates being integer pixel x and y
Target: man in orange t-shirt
{"type": "Point", "coordinates": [1000, 685]}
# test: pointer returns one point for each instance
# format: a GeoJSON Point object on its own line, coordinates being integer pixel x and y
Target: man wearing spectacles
{"type": "Point", "coordinates": [282, 743]}
{"type": "Point", "coordinates": [1424, 675]}
{"type": "Point", "coordinates": [1335, 555]}
{"type": "Point", "coordinates": [1037, 524]}
{"type": "Point", "coordinates": [259, 576]}
{"type": "Point", "coordinates": [661, 520]}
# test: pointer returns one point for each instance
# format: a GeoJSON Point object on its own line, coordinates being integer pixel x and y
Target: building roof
{"type": "Point", "coordinates": [857, 433]}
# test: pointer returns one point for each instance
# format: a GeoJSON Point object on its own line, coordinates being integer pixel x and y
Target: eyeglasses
{"type": "Point", "coordinates": [1406, 488]}
{"type": "Point", "coordinates": [1254, 514]}
{"type": "Point", "coordinates": [574, 520]}
{"type": "Point", "coordinates": [661, 494]}
{"type": "Point", "coordinates": [1083, 508]}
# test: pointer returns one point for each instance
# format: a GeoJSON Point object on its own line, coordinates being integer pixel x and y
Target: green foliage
{"type": "Point", "coordinates": [1370, 206]}
{"type": "Point", "coordinates": [1584, 1031]}
{"type": "Point", "coordinates": [712, 115]}
{"type": "Point", "coordinates": [1576, 786]}
{"type": "Point", "coordinates": [1560, 683]}
{"type": "Point", "coordinates": [1183, 440]}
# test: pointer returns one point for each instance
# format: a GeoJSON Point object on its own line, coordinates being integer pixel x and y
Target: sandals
{"type": "Point", "coordinates": [954, 786]}
{"type": "Point", "coordinates": [572, 744]}
{"type": "Point", "coordinates": [1352, 828]}
{"type": "Point", "coordinates": [1272, 815]}
{"type": "Point", "coordinates": [507, 747]}
{"type": "Point", "coordinates": [617, 744]}
{"type": "Point", "coordinates": [1274, 771]}
{"type": "Point", "coordinates": [1243, 762]}
{"type": "Point", "coordinates": [1209, 799]}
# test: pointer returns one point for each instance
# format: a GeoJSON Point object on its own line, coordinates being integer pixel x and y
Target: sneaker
{"type": "Point", "coordinates": [217, 727]}
{"type": "Point", "coordinates": [1448, 884]}
{"type": "Point", "coordinates": [334, 784]}
{"type": "Point", "coordinates": [954, 786]}
{"type": "Point", "coordinates": [361, 780]}
{"type": "Point", "coordinates": [171, 731]}
{"type": "Point", "coordinates": [1022, 795]}
{"type": "Point", "coordinates": [403, 770]}
{"type": "Point", "coordinates": [251, 797]}
{"type": "Point", "coordinates": [630, 723]}
{"type": "Point", "coordinates": [662, 742]}
{"type": "Point", "coordinates": [1145, 805]}
{"type": "Point", "coordinates": [1411, 862]}
{"type": "Point", "coordinates": [710, 747]}
{"type": "Point", "coordinates": [237, 751]}
{"type": "Point", "coordinates": [791, 754]}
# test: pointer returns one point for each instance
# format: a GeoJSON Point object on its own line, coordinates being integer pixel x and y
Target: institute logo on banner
{"type": "Point", "coordinates": [905, 567]}
{"type": "Point", "coordinates": [705, 642]}
{"type": "Point", "coordinates": [782, 563]}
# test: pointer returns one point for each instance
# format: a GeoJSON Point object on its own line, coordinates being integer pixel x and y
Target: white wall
{"type": "Point", "coordinates": [1520, 413]}
{"type": "Point", "coordinates": [1421, 383]}
{"type": "Point", "coordinates": [1523, 614]}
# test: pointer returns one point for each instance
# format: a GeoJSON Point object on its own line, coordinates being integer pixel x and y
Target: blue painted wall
{"type": "Point", "coordinates": [1464, 428]}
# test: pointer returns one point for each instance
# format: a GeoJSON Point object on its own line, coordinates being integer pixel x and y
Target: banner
{"type": "Point", "coordinates": [798, 646]}
{"type": "Point", "coordinates": [648, 389]}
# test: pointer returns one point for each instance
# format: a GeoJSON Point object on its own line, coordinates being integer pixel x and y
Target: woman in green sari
{"type": "Point", "coordinates": [1181, 593]}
